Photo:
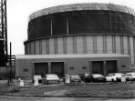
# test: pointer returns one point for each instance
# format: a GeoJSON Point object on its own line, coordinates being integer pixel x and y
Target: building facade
{"type": "Point", "coordinates": [79, 38]}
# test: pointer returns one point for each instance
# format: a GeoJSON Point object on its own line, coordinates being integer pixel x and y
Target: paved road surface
{"type": "Point", "coordinates": [13, 98]}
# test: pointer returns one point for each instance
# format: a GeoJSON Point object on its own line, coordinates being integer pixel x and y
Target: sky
{"type": "Point", "coordinates": [18, 12]}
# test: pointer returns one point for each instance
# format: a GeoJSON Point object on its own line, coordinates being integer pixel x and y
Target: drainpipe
{"type": "Point", "coordinates": [104, 68]}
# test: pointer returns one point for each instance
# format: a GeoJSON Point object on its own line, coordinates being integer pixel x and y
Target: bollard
{"type": "Point", "coordinates": [67, 79]}
{"type": "Point", "coordinates": [21, 83]}
{"type": "Point", "coordinates": [123, 79]}
{"type": "Point", "coordinates": [36, 80]}
{"type": "Point", "coordinates": [36, 83]}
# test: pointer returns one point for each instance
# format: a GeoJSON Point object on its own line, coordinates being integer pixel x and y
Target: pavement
{"type": "Point", "coordinates": [91, 90]}
{"type": "Point", "coordinates": [13, 98]}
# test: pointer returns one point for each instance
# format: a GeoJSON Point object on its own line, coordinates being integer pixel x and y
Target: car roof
{"type": "Point", "coordinates": [50, 74]}
{"type": "Point", "coordinates": [97, 74]}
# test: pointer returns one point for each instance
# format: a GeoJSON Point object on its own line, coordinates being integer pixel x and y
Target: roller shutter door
{"type": "Point", "coordinates": [57, 68]}
{"type": "Point", "coordinates": [41, 68]}
{"type": "Point", "coordinates": [111, 66]}
{"type": "Point", "coordinates": [97, 67]}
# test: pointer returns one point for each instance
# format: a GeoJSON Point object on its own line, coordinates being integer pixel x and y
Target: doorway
{"type": "Point", "coordinates": [57, 68]}
{"type": "Point", "coordinates": [41, 69]}
{"type": "Point", "coordinates": [111, 66]}
{"type": "Point", "coordinates": [98, 67]}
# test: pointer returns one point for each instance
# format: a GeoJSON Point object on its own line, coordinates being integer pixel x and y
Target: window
{"type": "Point", "coordinates": [123, 66]}
{"type": "Point", "coordinates": [84, 67]}
{"type": "Point", "coordinates": [71, 68]}
{"type": "Point", "coordinates": [25, 70]}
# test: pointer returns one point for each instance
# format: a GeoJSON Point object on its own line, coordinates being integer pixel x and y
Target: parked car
{"type": "Point", "coordinates": [86, 77]}
{"type": "Point", "coordinates": [114, 76]}
{"type": "Point", "coordinates": [51, 78]}
{"type": "Point", "coordinates": [75, 78]}
{"type": "Point", "coordinates": [98, 77]}
{"type": "Point", "coordinates": [130, 76]}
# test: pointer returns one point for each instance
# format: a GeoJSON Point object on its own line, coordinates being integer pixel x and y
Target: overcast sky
{"type": "Point", "coordinates": [18, 12]}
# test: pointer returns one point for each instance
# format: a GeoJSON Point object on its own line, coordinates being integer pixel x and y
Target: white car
{"type": "Point", "coordinates": [114, 77]}
{"type": "Point", "coordinates": [75, 78]}
{"type": "Point", "coordinates": [130, 76]}
{"type": "Point", "coordinates": [51, 78]}
{"type": "Point", "coordinates": [98, 77]}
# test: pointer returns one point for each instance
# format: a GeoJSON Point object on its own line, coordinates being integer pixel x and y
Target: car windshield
{"type": "Point", "coordinates": [132, 73]}
{"type": "Point", "coordinates": [128, 74]}
{"type": "Point", "coordinates": [75, 76]}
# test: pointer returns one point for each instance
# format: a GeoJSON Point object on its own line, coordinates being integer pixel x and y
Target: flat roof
{"type": "Point", "coordinates": [82, 6]}
{"type": "Point", "coordinates": [69, 56]}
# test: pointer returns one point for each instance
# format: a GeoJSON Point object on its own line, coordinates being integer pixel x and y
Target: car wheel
{"type": "Point", "coordinates": [117, 79]}
{"type": "Point", "coordinates": [126, 79]}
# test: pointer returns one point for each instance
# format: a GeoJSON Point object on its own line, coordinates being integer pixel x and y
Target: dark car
{"type": "Point", "coordinates": [86, 78]}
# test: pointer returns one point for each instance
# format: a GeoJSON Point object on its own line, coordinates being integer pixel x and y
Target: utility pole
{"type": "Point", "coordinates": [3, 33]}
{"type": "Point", "coordinates": [10, 62]}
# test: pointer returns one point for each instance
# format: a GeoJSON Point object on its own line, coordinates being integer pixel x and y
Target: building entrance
{"type": "Point", "coordinates": [104, 67]}
{"type": "Point", "coordinates": [41, 68]}
{"type": "Point", "coordinates": [49, 67]}
{"type": "Point", "coordinates": [57, 68]}
{"type": "Point", "coordinates": [97, 67]}
{"type": "Point", "coordinates": [111, 66]}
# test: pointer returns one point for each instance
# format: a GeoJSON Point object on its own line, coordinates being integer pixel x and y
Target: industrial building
{"type": "Point", "coordinates": [78, 39]}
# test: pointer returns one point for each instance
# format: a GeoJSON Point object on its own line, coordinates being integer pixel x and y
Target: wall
{"type": "Point", "coordinates": [25, 67]}
{"type": "Point", "coordinates": [84, 45]}
{"type": "Point", "coordinates": [81, 22]}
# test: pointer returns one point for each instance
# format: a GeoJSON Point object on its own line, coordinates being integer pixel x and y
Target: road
{"type": "Point", "coordinates": [13, 98]}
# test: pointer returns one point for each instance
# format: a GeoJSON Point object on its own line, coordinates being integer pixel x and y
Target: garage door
{"type": "Point", "coordinates": [41, 68]}
{"type": "Point", "coordinates": [57, 68]}
{"type": "Point", "coordinates": [97, 67]}
{"type": "Point", "coordinates": [111, 66]}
